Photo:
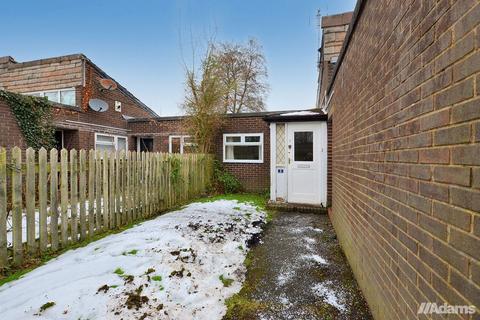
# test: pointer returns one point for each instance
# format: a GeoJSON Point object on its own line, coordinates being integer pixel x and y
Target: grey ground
{"type": "Point", "coordinates": [294, 270]}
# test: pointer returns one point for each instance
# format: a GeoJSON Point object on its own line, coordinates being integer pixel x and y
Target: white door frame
{"type": "Point", "coordinates": [322, 143]}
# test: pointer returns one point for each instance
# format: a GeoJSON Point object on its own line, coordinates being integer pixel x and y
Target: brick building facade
{"type": "Point", "coordinates": [253, 176]}
{"type": "Point", "coordinates": [78, 79]}
{"type": "Point", "coordinates": [406, 153]}
{"type": "Point", "coordinates": [142, 128]}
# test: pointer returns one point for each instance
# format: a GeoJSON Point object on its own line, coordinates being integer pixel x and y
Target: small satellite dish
{"type": "Point", "coordinates": [98, 105]}
{"type": "Point", "coordinates": [108, 84]}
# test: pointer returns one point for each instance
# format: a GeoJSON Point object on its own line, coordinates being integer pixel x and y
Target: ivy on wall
{"type": "Point", "coordinates": [34, 117]}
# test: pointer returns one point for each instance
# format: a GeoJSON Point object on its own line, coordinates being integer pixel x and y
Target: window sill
{"type": "Point", "coordinates": [243, 161]}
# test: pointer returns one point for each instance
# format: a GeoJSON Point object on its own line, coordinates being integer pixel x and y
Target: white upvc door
{"type": "Point", "coordinates": [307, 162]}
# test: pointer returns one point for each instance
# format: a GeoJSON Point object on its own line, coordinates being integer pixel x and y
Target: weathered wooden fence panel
{"type": "Point", "coordinates": [98, 191]}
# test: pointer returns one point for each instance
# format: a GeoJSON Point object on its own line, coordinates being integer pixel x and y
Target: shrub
{"type": "Point", "coordinates": [225, 181]}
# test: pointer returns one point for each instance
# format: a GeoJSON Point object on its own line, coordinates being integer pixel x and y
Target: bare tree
{"type": "Point", "coordinates": [243, 72]}
{"type": "Point", "coordinates": [203, 103]}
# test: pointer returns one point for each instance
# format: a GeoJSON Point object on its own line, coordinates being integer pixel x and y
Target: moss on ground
{"type": "Point", "coordinates": [256, 199]}
{"type": "Point", "coordinates": [227, 282]}
{"type": "Point", "coordinates": [242, 305]}
{"type": "Point", "coordinates": [239, 307]}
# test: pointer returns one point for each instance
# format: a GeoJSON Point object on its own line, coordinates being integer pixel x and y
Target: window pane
{"type": "Point", "coordinates": [303, 146]}
{"type": "Point", "coordinates": [121, 144]}
{"type": "Point", "coordinates": [102, 147]}
{"type": "Point", "coordinates": [52, 96]}
{"type": "Point", "coordinates": [188, 139]}
{"type": "Point", "coordinates": [175, 145]}
{"type": "Point", "coordinates": [36, 94]}
{"type": "Point", "coordinates": [234, 139]}
{"type": "Point", "coordinates": [252, 139]}
{"type": "Point", "coordinates": [242, 153]}
{"type": "Point", "coordinates": [67, 97]}
{"type": "Point", "coordinates": [146, 144]}
{"type": "Point", "coordinates": [105, 139]}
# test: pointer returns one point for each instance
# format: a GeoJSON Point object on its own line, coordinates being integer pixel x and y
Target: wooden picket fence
{"type": "Point", "coordinates": [50, 200]}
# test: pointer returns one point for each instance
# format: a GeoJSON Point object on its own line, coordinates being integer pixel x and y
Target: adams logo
{"type": "Point", "coordinates": [434, 308]}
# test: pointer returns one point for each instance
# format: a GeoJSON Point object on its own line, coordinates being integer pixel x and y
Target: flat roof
{"type": "Point", "coordinates": [228, 115]}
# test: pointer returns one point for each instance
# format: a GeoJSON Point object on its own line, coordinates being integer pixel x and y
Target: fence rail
{"type": "Point", "coordinates": [50, 200]}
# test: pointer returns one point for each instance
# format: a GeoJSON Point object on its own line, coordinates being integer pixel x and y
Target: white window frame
{"type": "Point", "coordinates": [42, 94]}
{"type": "Point", "coordinates": [243, 143]}
{"type": "Point", "coordinates": [182, 142]}
{"type": "Point", "coordinates": [115, 140]}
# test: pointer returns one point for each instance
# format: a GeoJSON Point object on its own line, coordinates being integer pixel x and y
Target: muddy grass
{"type": "Point", "coordinates": [298, 271]}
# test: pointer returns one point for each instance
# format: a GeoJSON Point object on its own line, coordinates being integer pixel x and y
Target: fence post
{"type": "Point", "coordinates": [123, 180]}
{"type": "Point", "coordinates": [3, 209]}
{"type": "Point", "coordinates": [128, 187]}
{"type": "Point", "coordinates": [98, 191]}
{"type": "Point", "coordinates": [17, 206]}
{"type": "Point", "coordinates": [145, 184]}
{"type": "Point", "coordinates": [137, 172]}
{"type": "Point", "coordinates": [54, 198]}
{"type": "Point", "coordinates": [91, 193]}
{"type": "Point", "coordinates": [111, 187]}
{"type": "Point", "coordinates": [30, 198]}
{"type": "Point", "coordinates": [64, 196]}
{"type": "Point", "coordinates": [149, 184]}
{"type": "Point", "coordinates": [74, 195]}
{"type": "Point", "coordinates": [106, 202]}
{"type": "Point", "coordinates": [82, 190]}
{"type": "Point", "coordinates": [133, 184]}
{"type": "Point", "coordinates": [118, 190]}
{"type": "Point", "coordinates": [42, 198]}
{"type": "Point", "coordinates": [141, 186]}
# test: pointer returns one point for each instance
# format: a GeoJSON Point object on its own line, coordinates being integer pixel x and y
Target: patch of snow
{"type": "Point", "coordinates": [37, 221]}
{"type": "Point", "coordinates": [189, 249]}
{"type": "Point", "coordinates": [284, 300]}
{"type": "Point", "coordinates": [309, 240]}
{"type": "Point", "coordinates": [296, 230]}
{"type": "Point", "coordinates": [315, 257]}
{"type": "Point", "coordinates": [330, 296]}
{"type": "Point", "coordinates": [300, 113]}
{"type": "Point", "coordinates": [285, 276]}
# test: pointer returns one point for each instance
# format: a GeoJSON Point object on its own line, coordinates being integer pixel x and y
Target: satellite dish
{"type": "Point", "coordinates": [98, 105]}
{"type": "Point", "coordinates": [108, 84]}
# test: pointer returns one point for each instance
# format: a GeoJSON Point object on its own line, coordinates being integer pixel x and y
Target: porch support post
{"type": "Point", "coordinates": [273, 161]}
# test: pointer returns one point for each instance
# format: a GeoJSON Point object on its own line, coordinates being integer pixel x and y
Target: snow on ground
{"type": "Point", "coordinates": [315, 257]}
{"type": "Point", "coordinates": [329, 295]}
{"type": "Point", "coordinates": [37, 221]}
{"type": "Point", "coordinates": [166, 268]}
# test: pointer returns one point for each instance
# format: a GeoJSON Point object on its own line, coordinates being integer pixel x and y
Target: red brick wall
{"type": "Point", "coordinates": [158, 130]}
{"type": "Point", "coordinates": [39, 75]}
{"type": "Point", "coordinates": [329, 161]}
{"type": "Point", "coordinates": [253, 176]}
{"type": "Point", "coordinates": [10, 135]}
{"type": "Point", "coordinates": [406, 154]}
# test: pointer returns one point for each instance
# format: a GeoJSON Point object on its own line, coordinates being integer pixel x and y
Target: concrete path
{"type": "Point", "coordinates": [298, 272]}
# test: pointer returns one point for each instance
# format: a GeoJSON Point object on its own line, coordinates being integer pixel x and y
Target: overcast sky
{"type": "Point", "coordinates": [143, 44]}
